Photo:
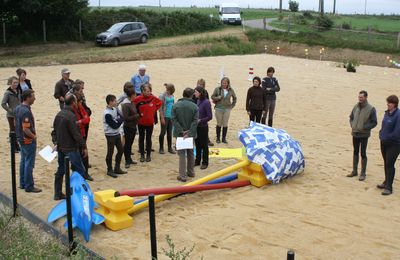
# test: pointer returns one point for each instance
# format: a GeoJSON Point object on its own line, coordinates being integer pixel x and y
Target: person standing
{"type": "Point", "coordinates": [68, 141]}
{"type": "Point", "coordinates": [390, 142]}
{"type": "Point", "coordinates": [271, 86]}
{"type": "Point", "coordinates": [202, 83]}
{"type": "Point", "coordinates": [224, 98]}
{"type": "Point", "coordinates": [205, 115]}
{"type": "Point", "coordinates": [147, 105]}
{"type": "Point", "coordinates": [26, 136]}
{"type": "Point", "coordinates": [63, 86]}
{"type": "Point", "coordinates": [82, 121]}
{"type": "Point", "coordinates": [185, 116]}
{"type": "Point", "coordinates": [131, 117]}
{"type": "Point", "coordinates": [140, 79]}
{"type": "Point", "coordinates": [167, 99]}
{"type": "Point", "coordinates": [112, 121]}
{"type": "Point", "coordinates": [255, 101]}
{"type": "Point", "coordinates": [10, 101]}
{"type": "Point", "coordinates": [362, 120]}
{"type": "Point", "coordinates": [23, 82]}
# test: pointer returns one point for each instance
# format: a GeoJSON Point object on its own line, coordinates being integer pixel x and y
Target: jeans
{"type": "Point", "coordinates": [390, 152]}
{"type": "Point", "coordinates": [360, 142]}
{"type": "Point", "coordinates": [167, 128]}
{"type": "Point", "coordinates": [111, 142]}
{"type": "Point", "coordinates": [202, 145]}
{"type": "Point", "coordinates": [145, 132]}
{"type": "Point", "coordinates": [186, 163]}
{"type": "Point", "coordinates": [255, 115]}
{"type": "Point", "coordinates": [269, 111]}
{"type": "Point", "coordinates": [28, 155]}
{"type": "Point", "coordinates": [75, 159]}
{"type": "Point", "coordinates": [130, 134]}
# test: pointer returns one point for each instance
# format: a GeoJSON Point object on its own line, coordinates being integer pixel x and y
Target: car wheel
{"type": "Point", "coordinates": [115, 42]}
{"type": "Point", "coordinates": [143, 39]}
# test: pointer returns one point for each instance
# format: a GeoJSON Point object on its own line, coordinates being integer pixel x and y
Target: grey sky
{"type": "Point", "coordinates": [343, 6]}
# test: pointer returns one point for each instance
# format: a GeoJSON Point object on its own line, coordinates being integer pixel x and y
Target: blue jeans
{"type": "Point", "coordinates": [75, 160]}
{"type": "Point", "coordinates": [28, 155]}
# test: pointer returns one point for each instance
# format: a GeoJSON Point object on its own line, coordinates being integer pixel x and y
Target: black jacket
{"type": "Point", "coordinates": [19, 88]}
{"type": "Point", "coordinates": [270, 86]}
{"type": "Point", "coordinates": [65, 132]}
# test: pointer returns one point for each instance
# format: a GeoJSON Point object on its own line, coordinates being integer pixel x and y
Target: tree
{"type": "Point", "coordinates": [280, 6]}
{"type": "Point", "coordinates": [293, 6]}
{"type": "Point", "coordinates": [334, 6]}
{"type": "Point", "coordinates": [321, 7]}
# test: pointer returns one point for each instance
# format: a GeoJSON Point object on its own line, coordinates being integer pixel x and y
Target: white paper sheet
{"type": "Point", "coordinates": [48, 154]}
{"type": "Point", "coordinates": [182, 144]}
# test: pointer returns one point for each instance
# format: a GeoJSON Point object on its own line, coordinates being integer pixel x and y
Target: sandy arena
{"type": "Point", "coordinates": [320, 213]}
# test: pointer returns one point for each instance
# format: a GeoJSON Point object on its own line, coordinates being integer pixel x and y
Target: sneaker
{"type": "Point", "coordinates": [142, 159]}
{"type": "Point", "coordinates": [203, 166]}
{"type": "Point", "coordinates": [218, 141]}
{"type": "Point", "coordinates": [161, 151]}
{"type": "Point", "coordinates": [196, 163]}
{"type": "Point", "coordinates": [210, 143]}
{"type": "Point", "coordinates": [148, 158]}
{"type": "Point", "coordinates": [224, 141]}
{"type": "Point", "coordinates": [191, 175]}
{"type": "Point", "coordinates": [381, 186]}
{"type": "Point", "coordinates": [362, 177]}
{"type": "Point", "coordinates": [112, 174]}
{"type": "Point", "coordinates": [179, 178]}
{"type": "Point", "coordinates": [127, 165]}
{"type": "Point", "coordinates": [171, 151]}
{"type": "Point", "coordinates": [386, 192]}
{"type": "Point", "coordinates": [34, 190]}
{"type": "Point", "coordinates": [89, 178]}
{"type": "Point", "coordinates": [119, 171]}
{"type": "Point", "coordinates": [60, 197]}
{"type": "Point", "coordinates": [352, 174]}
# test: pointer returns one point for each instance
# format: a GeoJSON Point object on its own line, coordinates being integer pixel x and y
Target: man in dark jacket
{"type": "Point", "coordinates": [184, 115]}
{"type": "Point", "coordinates": [68, 141]}
{"type": "Point", "coordinates": [362, 120]}
{"type": "Point", "coordinates": [63, 86]}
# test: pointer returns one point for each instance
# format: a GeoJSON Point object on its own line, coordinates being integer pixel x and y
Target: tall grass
{"type": "Point", "coordinates": [227, 45]}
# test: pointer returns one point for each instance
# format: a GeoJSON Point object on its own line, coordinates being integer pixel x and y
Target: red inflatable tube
{"type": "Point", "coordinates": [182, 189]}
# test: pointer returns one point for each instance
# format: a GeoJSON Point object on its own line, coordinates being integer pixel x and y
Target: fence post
{"type": "Point", "coordinates": [4, 33]}
{"type": "Point", "coordinates": [44, 31]}
{"type": "Point", "coordinates": [265, 23]}
{"type": "Point", "coordinates": [71, 243]}
{"type": "Point", "coordinates": [153, 236]}
{"type": "Point", "coordinates": [369, 34]}
{"type": "Point", "coordinates": [288, 29]}
{"type": "Point", "coordinates": [80, 29]}
{"type": "Point", "coordinates": [166, 20]}
{"type": "Point", "coordinates": [398, 40]}
{"type": "Point", "coordinates": [13, 141]}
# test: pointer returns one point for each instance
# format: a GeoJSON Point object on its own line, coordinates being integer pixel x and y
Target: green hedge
{"type": "Point", "coordinates": [158, 23]}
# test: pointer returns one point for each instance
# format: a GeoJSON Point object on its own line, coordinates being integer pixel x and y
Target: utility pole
{"type": "Point", "coordinates": [334, 6]}
{"type": "Point", "coordinates": [99, 3]}
{"type": "Point", "coordinates": [280, 6]}
{"type": "Point", "coordinates": [159, 3]}
{"type": "Point", "coordinates": [365, 8]}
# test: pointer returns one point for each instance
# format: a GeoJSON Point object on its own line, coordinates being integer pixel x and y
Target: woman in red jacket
{"type": "Point", "coordinates": [147, 105]}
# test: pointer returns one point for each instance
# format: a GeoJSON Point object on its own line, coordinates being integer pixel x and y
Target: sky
{"type": "Point", "coordinates": [342, 6]}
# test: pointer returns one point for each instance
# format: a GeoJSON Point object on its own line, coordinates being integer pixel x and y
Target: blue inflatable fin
{"type": "Point", "coordinates": [97, 218]}
{"type": "Point", "coordinates": [73, 224]}
{"type": "Point", "coordinates": [59, 211]}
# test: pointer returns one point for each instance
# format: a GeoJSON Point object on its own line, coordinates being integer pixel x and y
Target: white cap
{"type": "Point", "coordinates": [142, 67]}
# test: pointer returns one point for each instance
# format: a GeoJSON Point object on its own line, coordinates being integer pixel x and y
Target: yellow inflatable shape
{"type": "Point", "coordinates": [237, 153]}
{"type": "Point", "coordinates": [205, 179]}
{"type": "Point", "coordinates": [114, 209]}
{"type": "Point", "coordinates": [255, 174]}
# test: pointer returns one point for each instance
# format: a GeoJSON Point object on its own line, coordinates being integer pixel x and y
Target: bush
{"type": "Point", "coordinates": [324, 22]}
{"type": "Point", "coordinates": [300, 20]}
{"type": "Point", "coordinates": [308, 15]}
{"type": "Point", "coordinates": [227, 45]}
{"type": "Point", "coordinates": [346, 26]}
{"type": "Point", "coordinates": [293, 6]}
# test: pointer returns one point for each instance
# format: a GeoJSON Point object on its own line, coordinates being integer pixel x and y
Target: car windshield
{"type": "Point", "coordinates": [230, 10]}
{"type": "Point", "coordinates": [115, 28]}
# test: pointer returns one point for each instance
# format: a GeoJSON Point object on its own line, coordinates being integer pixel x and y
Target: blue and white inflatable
{"type": "Point", "coordinates": [279, 154]}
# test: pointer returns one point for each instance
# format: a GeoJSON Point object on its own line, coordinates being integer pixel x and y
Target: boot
{"type": "Point", "coordinates": [218, 134]}
{"type": "Point", "coordinates": [270, 122]}
{"type": "Point", "coordinates": [110, 172]}
{"type": "Point", "coordinates": [363, 169]}
{"type": "Point", "coordinates": [171, 150]}
{"type": "Point", "coordinates": [58, 181]}
{"type": "Point", "coordinates": [263, 119]}
{"type": "Point", "coordinates": [355, 165]}
{"type": "Point", "coordinates": [161, 142]}
{"type": "Point", "coordinates": [118, 170]}
{"type": "Point", "coordinates": [224, 132]}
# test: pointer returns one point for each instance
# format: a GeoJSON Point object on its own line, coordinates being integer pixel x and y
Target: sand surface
{"type": "Point", "coordinates": [320, 214]}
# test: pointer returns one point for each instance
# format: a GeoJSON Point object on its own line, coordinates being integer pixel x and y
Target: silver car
{"type": "Point", "coordinates": [122, 33]}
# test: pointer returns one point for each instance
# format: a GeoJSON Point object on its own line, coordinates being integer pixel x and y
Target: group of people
{"type": "Point", "coordinates": [138, 110]}
{"type": "Point", "coordinates": [362, 120]}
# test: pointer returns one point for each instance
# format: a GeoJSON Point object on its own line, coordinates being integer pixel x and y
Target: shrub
{"type": "Point", "coordinates": [308, 15]}
{"type": "Point", "coordinates": [300, 20]}
{"type": "Point", "coordinates": [346, 26]}
{"type": "Point", "coordinates": [293, 6]}
{"type": "Point", "coordinates": [324, 22]}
